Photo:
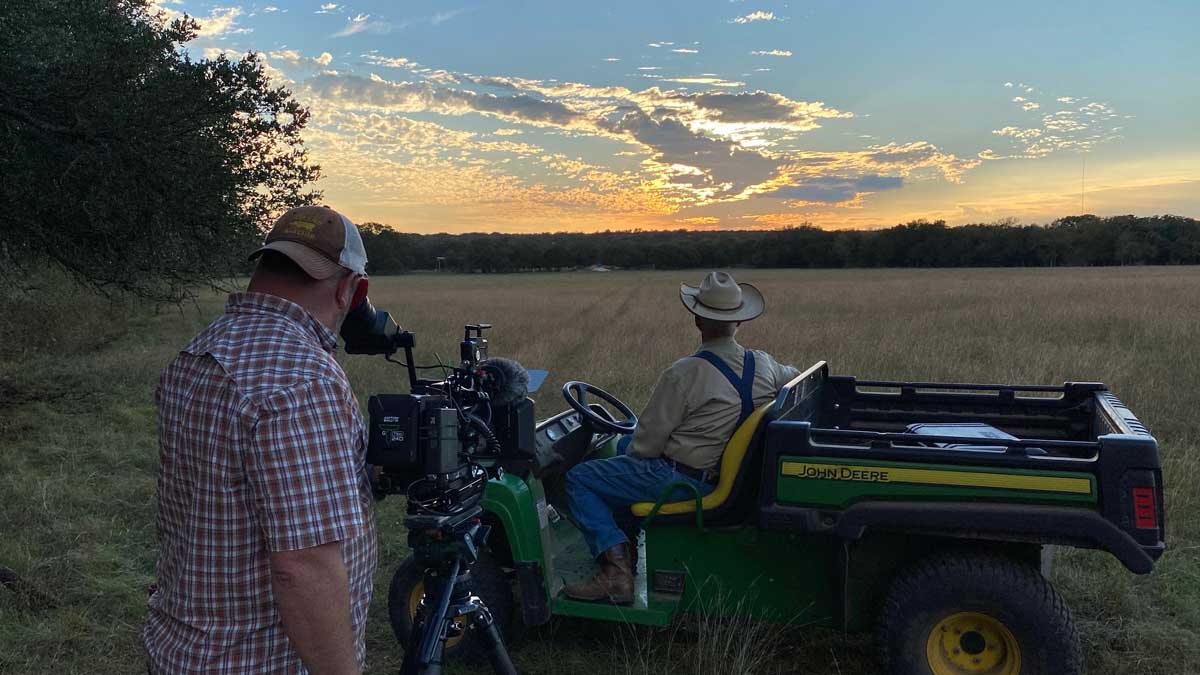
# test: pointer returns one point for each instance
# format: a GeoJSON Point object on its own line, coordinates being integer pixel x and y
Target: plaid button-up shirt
{"type": "Point", "coordinates": [261, 449]}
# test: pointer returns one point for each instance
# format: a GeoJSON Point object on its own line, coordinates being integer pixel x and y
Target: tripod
{"type": "Point", "coordinates": [447, 546]}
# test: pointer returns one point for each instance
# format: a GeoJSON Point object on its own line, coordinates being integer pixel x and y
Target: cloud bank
{"type": "Point", "coordinates": [691, 146]}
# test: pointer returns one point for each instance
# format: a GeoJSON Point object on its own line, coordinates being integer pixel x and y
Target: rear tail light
{"type": "Point", "coordinates": [1145, 517]}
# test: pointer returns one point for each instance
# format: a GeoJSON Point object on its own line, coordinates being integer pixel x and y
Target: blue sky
{"type": "Point", "coordinates": [534, 116]}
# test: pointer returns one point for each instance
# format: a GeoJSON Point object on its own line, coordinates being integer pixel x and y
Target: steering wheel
{"type": "Point", "coordinates": [576, 394]}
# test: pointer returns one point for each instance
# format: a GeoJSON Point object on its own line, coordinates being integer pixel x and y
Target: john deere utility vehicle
{"type": "Point", "coordinates": [920, 510]}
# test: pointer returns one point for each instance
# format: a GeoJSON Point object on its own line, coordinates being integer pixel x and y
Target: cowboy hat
{"type": "Point", "coordinates": [720, 298]}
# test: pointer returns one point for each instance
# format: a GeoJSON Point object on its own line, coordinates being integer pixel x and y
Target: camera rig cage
{"type": "Point", "coordinates": [441, 442]}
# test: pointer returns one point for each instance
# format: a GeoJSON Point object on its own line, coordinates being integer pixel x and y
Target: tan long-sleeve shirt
{"type": "Point", "coordinates": [693, 409]}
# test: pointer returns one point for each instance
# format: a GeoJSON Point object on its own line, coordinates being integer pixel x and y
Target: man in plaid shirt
{"type": "Point", "coordinates": [265, 524]}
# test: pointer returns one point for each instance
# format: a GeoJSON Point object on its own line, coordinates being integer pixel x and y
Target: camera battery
{"type": "Point", "coordinates": [441, 427]}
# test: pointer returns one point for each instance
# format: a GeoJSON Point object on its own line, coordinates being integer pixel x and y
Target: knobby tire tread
{"type": "Point", "coordinates": [1012, 577]}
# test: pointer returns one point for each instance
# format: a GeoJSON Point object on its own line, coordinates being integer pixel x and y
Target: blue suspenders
{"type": "Point", "coordinates": [744, 385]}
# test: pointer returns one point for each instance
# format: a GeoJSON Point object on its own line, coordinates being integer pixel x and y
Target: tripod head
{"type": "Point", "coordinates": [437, 540]}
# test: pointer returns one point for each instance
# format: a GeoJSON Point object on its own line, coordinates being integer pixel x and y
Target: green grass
{"type": "Point", "coordinates": [78, 451]}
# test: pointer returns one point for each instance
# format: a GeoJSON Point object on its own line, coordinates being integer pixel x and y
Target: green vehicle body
{"type": "Point", "coordinates": [834, 498]}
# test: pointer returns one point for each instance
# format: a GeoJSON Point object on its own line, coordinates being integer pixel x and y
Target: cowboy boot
{"type": "Point", "coordinates": [613, 583]}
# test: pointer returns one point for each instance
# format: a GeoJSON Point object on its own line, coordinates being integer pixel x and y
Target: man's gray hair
{"type": "Point", "coordinates": [714, 327]}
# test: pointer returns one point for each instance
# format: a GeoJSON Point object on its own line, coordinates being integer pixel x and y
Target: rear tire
{"type": "Point", "coordinates": [488, 581]}
{"type": "Point", "coordinates": [976, 614]}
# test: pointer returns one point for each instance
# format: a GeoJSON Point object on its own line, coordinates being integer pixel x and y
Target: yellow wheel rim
{"type": "Point", "coordinates": [972, 643]}
{"type": "Point", "coordinates": [414, 601]}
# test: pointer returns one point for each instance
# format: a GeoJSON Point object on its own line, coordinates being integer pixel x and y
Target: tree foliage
{"type": "Point", "coordinates": [1077, 240]}
{"type": "Point", "coordinates": [126, 162]}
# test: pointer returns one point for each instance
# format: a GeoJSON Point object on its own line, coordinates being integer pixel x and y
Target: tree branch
{"type": "Point", "coordinates": [48, 127]}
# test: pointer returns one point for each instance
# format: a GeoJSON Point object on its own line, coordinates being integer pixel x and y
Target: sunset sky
{"type": "Point", "coordinates": [541, 116]}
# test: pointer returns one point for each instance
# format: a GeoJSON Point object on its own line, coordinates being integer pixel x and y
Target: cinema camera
{"type": "Point", "coordinates": [439, 445]}
{"type": "Point", "coordinates": [426, 442]}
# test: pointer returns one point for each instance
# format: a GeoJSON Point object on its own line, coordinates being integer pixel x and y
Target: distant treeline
{"type": "Point", "coordinates": [1077, 240]}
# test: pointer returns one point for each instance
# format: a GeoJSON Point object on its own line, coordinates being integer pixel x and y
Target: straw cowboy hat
{"type": "Point", "coordinates": [721, 298]}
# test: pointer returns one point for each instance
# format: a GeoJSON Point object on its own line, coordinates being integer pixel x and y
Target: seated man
{"type": "Point", "coordinates": [694, 409]}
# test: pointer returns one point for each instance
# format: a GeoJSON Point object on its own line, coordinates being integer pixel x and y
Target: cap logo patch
{"type": "Point", "coordinates": [305, 228]}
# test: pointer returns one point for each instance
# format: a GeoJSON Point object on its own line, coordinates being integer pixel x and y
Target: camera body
{"type": "Point", "coordinates": [410, 436]}
{"type": "Point", "coordinates": [410, 433]}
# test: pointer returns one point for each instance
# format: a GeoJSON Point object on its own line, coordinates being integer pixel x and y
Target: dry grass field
{"type": "Point", "coordinates": [78, 452]}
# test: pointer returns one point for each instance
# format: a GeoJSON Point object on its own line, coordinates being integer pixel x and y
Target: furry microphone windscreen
{"type": "Point", "coordinates": [506, 381]}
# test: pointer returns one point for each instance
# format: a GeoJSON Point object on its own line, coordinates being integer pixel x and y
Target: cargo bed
{"type": "Point", "coordinates": [1068, 463]}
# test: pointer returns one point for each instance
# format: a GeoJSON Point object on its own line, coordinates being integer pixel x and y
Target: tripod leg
{"type": "Point", "coordinates": [435, 666]}
{"type": "Point", "coordinates": [485, 625]}
{"type": "Point", "coordinates": [412, 661]}
{"type": "Point", "coordinates": [409, 666]}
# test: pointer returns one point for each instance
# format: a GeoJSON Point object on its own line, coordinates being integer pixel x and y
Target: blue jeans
{"type": "Point", "coordinates": [601, 491]}
{"type": "Point", "coordinates": [623, 443]}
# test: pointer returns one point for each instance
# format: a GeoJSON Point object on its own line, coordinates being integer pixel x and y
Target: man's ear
{"type": "Point", "coordinates": [345, 290]}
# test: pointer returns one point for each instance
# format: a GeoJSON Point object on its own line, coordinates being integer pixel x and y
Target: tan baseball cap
{"type": "Point", "coordinates": [319, 240]}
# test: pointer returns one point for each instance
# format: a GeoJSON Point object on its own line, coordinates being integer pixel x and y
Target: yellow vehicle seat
{"type": "Point", "coordinates": [736, 450]}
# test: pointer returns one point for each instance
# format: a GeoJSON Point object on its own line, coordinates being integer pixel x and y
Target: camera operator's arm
{"type": "Point", "coordinates": [312, 596]}
{"type": "Point", "coordinates": [306, 470]}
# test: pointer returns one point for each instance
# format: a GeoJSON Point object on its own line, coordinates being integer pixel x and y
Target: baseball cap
{"type": "Point", "coordinates": [318, 239]}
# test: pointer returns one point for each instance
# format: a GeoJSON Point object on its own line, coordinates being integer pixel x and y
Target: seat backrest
{"type": "Point", "coordinates": [732, 459]}
{"type": "Point", "coordinates": [743, 484]}
{"type": "Point", "coordinates": [738, 446]}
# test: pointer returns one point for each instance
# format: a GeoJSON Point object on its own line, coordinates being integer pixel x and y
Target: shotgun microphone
{"type": "Point", "coordinates": [505, 381]}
